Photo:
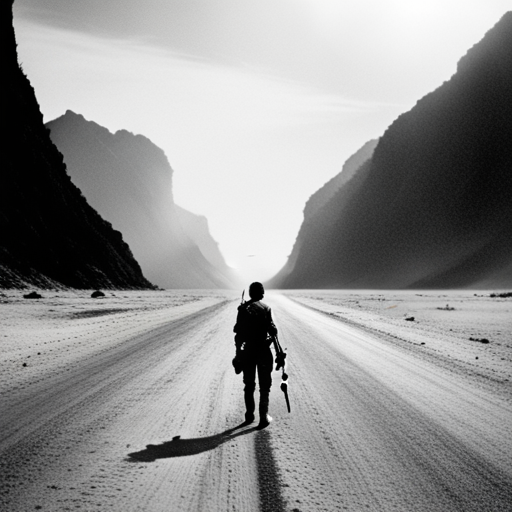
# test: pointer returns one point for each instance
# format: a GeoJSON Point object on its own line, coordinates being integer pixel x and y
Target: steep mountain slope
{"type": "Point", "coordinates": [196, 228]}
{"type": "Point", "coordinates": [432, 207]}
{"type": "Point", "coordinates": [343, 185]}
{"type": "Point", "coordinates": [128, 179]}
{"type": "Point", "coordinates": [323, 195]}
{"type": "Point", "coordinates": [49, 235]}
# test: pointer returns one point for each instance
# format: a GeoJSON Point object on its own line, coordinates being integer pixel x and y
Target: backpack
{"type": "Point", "coordinates": [253, 321]}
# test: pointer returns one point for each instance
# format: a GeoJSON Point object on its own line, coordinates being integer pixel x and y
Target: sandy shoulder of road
{"type": "Point", "coordinates": [43, 336]}
{"type": "Point", "coordinates": [470, 329]}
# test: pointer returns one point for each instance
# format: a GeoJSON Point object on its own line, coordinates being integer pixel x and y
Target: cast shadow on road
{"type": "Point", "coordinates": [182, 447]}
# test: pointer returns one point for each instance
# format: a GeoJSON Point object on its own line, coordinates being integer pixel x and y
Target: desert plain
{"type": "Point", "coordinates": [400, 401]}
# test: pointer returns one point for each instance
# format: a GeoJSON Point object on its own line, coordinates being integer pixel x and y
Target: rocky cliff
{"type": "Point", "coordinates": [128, 179]}
{"type": "Point", "coordinates": [49, 235]}
{"type": "Point", "coordinates": [432, 207]}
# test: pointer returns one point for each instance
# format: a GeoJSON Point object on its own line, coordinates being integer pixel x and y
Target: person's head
{"type": "Point", "coordinates": [256, 291]}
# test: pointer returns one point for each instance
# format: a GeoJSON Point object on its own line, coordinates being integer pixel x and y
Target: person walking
{"type": "Point", "coordinates": [254, 333]}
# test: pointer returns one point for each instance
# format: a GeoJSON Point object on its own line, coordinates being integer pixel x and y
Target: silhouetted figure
{"type": "Point", "coordinates": [255, 330]}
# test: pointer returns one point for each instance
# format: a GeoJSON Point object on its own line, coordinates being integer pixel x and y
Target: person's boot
{"type": "Point", "coordinates": [249, 407]}
{"type": "Point", "coordinates": [265, 419]}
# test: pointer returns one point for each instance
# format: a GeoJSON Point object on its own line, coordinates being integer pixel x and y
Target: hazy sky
{"type": "Point", "coordinates": [256, 103]}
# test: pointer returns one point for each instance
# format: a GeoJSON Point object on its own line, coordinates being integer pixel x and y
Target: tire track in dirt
{"type": "Point", "coordinates": [269, 476]}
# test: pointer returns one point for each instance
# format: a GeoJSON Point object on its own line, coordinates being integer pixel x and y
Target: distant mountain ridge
{"type": "Point", "coordinates": [128, 179]}
{"type": "Point", "coordinates": [432, 207]}
{"type": "Point", "coordinates": [49, 235]}
{"type": "Point", "coordinates": [196, 227]}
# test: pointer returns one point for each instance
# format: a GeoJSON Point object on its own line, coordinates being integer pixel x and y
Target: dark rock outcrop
{"type": "Point", "coordinates": [128, 179]}
{"type": "Point", "coordinates": [32, 295]}
{"type": "Point", "coordinates": [49, 235]}
{"type": "Point", "coordinates": [432, 207]}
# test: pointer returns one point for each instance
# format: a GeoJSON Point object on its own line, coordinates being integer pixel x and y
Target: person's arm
{"type": "Point", "coordinates": [237, 329]}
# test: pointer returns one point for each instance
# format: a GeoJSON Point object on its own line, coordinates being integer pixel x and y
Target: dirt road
{"type": "Point", "coordinates": [146, 422]}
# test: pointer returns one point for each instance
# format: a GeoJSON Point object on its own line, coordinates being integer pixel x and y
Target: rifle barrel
{"type": "Point", "coordinates": [287, 401]}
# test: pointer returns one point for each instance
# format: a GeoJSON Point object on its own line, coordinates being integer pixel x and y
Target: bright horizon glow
{"type": "Point", "coordinates": [254, 114]}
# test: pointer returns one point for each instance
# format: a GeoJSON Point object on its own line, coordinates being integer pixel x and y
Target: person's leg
{"type": "Point", "coordinates": [265, 382]}
{"type": "Point", "coordinates": [250, 386]}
